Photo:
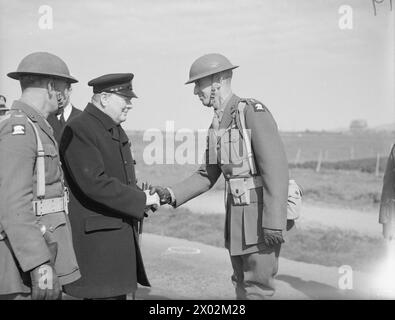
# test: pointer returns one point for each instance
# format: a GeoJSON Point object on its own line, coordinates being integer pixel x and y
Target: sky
{"type": "Point", "coordinates": [293, 56]}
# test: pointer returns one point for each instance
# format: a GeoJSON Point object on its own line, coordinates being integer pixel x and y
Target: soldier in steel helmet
{"type": "Point", "coordinates": [244, 145]}
{"type": "Point", "coordinates": [36, 251]}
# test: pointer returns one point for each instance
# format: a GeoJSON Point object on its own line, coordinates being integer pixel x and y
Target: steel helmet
{"type": "Point", "coordinates": [208, 65]}
{"type": "Point", "coordinates": [43, 63]}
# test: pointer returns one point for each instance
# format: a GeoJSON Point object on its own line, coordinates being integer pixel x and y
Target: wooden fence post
{"type": "Point", "coordinates": [378, 164]}
{"type": "Point", "coordinates": [318, 168]}
{"type": "Point", "coordinates": [297, 158]}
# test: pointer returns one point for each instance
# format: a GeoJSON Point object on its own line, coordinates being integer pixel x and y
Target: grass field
{"type": "Point", "coordinates": [332, 186]}
{"type": "Point", "coordinates": [334, 146]}
{"type": "Point", "coordinates": [350, 183]}
{"type": "Point", "coordinates": [329, 247]}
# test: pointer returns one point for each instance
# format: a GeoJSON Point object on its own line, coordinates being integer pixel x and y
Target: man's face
{"type": "Point", "coordinates": [60, 95]}
{"type": "Point", "coordinates": [117, 107]}
{"type": "Point", "coordinates": [203, 90]}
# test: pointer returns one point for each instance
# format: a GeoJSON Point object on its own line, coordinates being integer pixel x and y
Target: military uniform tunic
{"type": "Point", "coordinates": [227, 155]}
{"type": "Point", "coordinates": [24, 247]}
{"type": "Point", "coordinates": [254, 264]}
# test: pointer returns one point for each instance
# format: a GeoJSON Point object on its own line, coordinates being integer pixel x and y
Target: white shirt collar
{"type": "Point", "coordinates": [66, 112]}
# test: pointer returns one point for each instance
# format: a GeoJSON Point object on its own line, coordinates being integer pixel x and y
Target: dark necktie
{"type": "Point", "coordinates": [61, 120]}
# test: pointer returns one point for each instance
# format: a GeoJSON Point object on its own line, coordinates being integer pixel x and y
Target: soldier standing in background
{"type": "Point", "coordinates": [67, 112]}
{"type": "Point", "coordinates": [387, 205]}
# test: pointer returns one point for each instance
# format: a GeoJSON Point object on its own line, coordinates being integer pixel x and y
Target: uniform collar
{"type": "Point", "coordinates": [116, 131]}
{"type": "Point", "coordinates": [32, 113]}
{"type": "Point", "coordinates": [229, 109]}
{"type": "Point", "coordinates": [105, 120]}
{"type": "Point", "coordinates": [35, 116]}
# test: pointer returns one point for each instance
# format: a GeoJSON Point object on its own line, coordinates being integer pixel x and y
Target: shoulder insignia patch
{"type": "Point", "coordinates": [259, 107]}
{"type": "Point", "coordinates": [18, 129]}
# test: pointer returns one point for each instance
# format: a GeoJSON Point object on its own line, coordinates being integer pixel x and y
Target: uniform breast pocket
{"type": "Point", "coordinates": [232, 145]}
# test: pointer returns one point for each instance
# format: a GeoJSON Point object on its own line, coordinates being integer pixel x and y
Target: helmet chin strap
{"type": "Point", "coordinates": [212, 93]}
{"type": "Point", "coordinates": [212, 97]}
{"type": "Point", "coordinates": [61, 106]}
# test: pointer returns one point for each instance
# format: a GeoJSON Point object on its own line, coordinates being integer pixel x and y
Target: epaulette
{"type": "Point", "coordinates": [18, 122]}
{"type": "Point", "coordinates": [255, 104]}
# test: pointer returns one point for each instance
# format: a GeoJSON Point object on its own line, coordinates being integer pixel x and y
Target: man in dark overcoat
{"type": "Point", "coordinates": [105, 204]}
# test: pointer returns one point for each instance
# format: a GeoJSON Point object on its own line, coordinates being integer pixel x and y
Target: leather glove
{"type": "Point", "coordinates": [272, 237]}
{"type": "Point", "coordinates": [45, 283]}
{"type": "Point", "coordinates": [164, 194]}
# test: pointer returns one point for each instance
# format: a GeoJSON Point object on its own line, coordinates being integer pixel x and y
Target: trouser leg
{"type": "Point", "coordinates": [16, 296]}
{"type": "Point", "coordinates": [121, 297]}
{"type": "Point", "coordinates": [253, 274]}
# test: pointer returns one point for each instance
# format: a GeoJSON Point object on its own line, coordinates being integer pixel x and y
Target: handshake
{"type": "Point", "coordinates": [156, 196]}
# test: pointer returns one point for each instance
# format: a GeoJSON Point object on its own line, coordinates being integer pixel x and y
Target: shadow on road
{"type": "Point", "coordinates": [316, 290]}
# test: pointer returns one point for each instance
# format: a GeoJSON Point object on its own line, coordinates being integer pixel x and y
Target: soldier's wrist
{"type": "Point", "coordinates": [172, 197]}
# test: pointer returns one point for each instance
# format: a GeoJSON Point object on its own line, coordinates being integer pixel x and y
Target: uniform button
{"type": "Point", "coordinates": [51, 228]}
{"type": "Point", "coordinates": [125, 162]}
{"type": "Point", "coordinates": [227, 175]}
{"type": "Point", "coordinates": [222, 161]}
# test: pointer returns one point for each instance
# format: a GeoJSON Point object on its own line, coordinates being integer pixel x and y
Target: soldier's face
{"type": "Point", "coordinates": [203, 90]}
{"type": "Point", "coordinates": [117, 107]}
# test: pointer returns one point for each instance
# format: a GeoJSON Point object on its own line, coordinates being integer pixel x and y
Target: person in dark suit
{"type": "Point", "coordinates": [105, 202]}
{"type": "Point", "coordinates": [68, 112]}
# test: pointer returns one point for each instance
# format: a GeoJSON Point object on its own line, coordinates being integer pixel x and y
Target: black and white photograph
{"type": "Point", "coordinates": [205, 150]}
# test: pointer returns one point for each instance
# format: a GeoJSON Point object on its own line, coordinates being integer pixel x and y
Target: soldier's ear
{"type": "Point", "coordinates": [51, 88]}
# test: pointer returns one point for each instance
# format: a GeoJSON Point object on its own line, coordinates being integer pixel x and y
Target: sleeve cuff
{"type": "Point", "coordinates": [173, 197]}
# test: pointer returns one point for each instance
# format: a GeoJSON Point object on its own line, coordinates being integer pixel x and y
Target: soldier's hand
{"type": "Point", "coordinates": [45, 283]}
{"type": "Point", "coordinates": [272, 237]}
{"type": "Point", "coordinates": [163, 193]}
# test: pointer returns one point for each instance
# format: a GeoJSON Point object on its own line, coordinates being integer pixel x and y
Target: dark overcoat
{"type": "Point", "coordinates": [105, 206]}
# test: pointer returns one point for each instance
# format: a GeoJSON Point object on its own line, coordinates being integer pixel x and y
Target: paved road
{"type": "Point", "coordinates": [364, 222]}
{"type": "Point", "coordinates": [181, 269]}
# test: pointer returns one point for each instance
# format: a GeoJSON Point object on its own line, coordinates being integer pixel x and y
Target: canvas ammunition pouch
{"type": "Point", "coordinates": [239, 189]}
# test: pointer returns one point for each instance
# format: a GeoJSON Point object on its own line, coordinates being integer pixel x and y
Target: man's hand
{"type": "Point", "coordinates": [45, 283]}
{"type": "Point", "coordinates": [164, 194]}
{"type": "Point", "coordinates": [272, 237]}
{"type": "Point", "coordinates": [152, 200]}
{"type": "Point", "coordinates": [146, 186]}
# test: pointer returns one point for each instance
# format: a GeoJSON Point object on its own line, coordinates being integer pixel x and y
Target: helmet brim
{"type": "Point", "coordinates": [209, 73]}
{"type": "Point", "coordinates": [17, 75]}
